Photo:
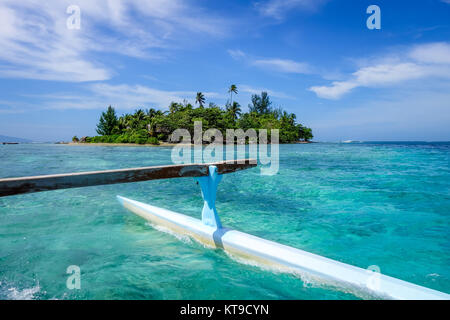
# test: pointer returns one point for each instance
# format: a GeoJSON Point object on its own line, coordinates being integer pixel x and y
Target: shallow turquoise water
{"type": "Point", "coordinates": [363, 204]}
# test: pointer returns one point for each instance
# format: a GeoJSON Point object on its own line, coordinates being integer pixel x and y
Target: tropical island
{"type": "Point", "coordinates": [155, 126]}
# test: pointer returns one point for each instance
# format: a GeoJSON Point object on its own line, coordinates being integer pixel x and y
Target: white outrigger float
{"type": "Point", "coordinates": [209, 230]}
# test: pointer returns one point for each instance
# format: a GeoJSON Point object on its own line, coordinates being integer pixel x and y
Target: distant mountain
{"type": "Point", "coordinates": [13, 139]}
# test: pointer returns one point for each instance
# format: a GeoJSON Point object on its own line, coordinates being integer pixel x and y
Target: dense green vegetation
{"type": "Point", "coordinates": [152, 126]}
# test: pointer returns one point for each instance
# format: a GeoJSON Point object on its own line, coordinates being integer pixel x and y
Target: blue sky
{"type": "Point", "coordinates": [316, 58]}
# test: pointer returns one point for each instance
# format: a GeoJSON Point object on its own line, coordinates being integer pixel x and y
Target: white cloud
{"type": "Point", "coordinates": [236, 54]}
{"type": "Point", "coordinates": [130, 97]}
{"type": "Point", "coordinates": [438, 53]}
{"type": "Point", "coordinates": [278, 8]}
{"type": "Point", "coordinates": [272, 64]}
{"type": "Point", "coordinates": [429, 60]}
{"type": "Point", "coordinates": [9, 107]}
{"type": "Point", "coordinates": [35, 42]}
{"type": "Point", "coordinates": [122, 96]}
{"type": "Point", "coordinates": [253, 90]}
{"type": "Point", "coordinates": [282, 65]}
{"type": "Point", "coordinates": [335, 91]}
{"type": "Point", "coordinates": [419, 115]}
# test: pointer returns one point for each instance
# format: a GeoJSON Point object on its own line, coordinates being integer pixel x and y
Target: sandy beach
{"type": "Point", "coordinates": [161, 144]}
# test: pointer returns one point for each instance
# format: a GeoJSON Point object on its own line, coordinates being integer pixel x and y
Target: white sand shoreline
{"type": "Point", "coordinates": [161, 144]}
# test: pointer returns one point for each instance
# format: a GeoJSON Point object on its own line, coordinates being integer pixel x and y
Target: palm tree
{"type": "Point", "coordinates": [200, 99]}
{"type": "Point", "coordinates": [128, 121]}
{"type": "Point", "coordinates": [135, 120]}
{"type": "Point", "coordinates": [122, 124]}
{"type": "Point", "coordinates": [139, 117]}
{"type": "Point", "coordinates": [174, 107]}
{"type": "Point", "coordinates": [139, 114]}
{"type": "Point", "coordinates": [231, 90]}
{"type": "Point", "coordinates": [151, 113]}
{"type": "Point", "coordinates": [234, 110]}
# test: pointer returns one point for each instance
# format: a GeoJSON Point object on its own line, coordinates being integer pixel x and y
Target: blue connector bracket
{"type": "Point", "coordinates": [209, 185]}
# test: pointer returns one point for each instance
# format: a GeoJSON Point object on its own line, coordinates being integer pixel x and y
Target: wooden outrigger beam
{"type": "Point", "coordinates": [13, 186]}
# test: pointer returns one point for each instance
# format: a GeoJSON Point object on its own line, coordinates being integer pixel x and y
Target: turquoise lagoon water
{"type": "Point", "coordinates": [364, 204]}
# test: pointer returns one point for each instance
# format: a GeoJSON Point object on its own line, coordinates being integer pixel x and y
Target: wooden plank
{"type": "Point", "coordinates": [13, 186]}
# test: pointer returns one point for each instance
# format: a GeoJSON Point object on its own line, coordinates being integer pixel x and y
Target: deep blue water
{"type": "Point", "coordinates": [384, 204]}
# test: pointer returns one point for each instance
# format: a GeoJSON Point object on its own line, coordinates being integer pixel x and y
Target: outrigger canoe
{"type": "Point", "coordinates": [209, 230]}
